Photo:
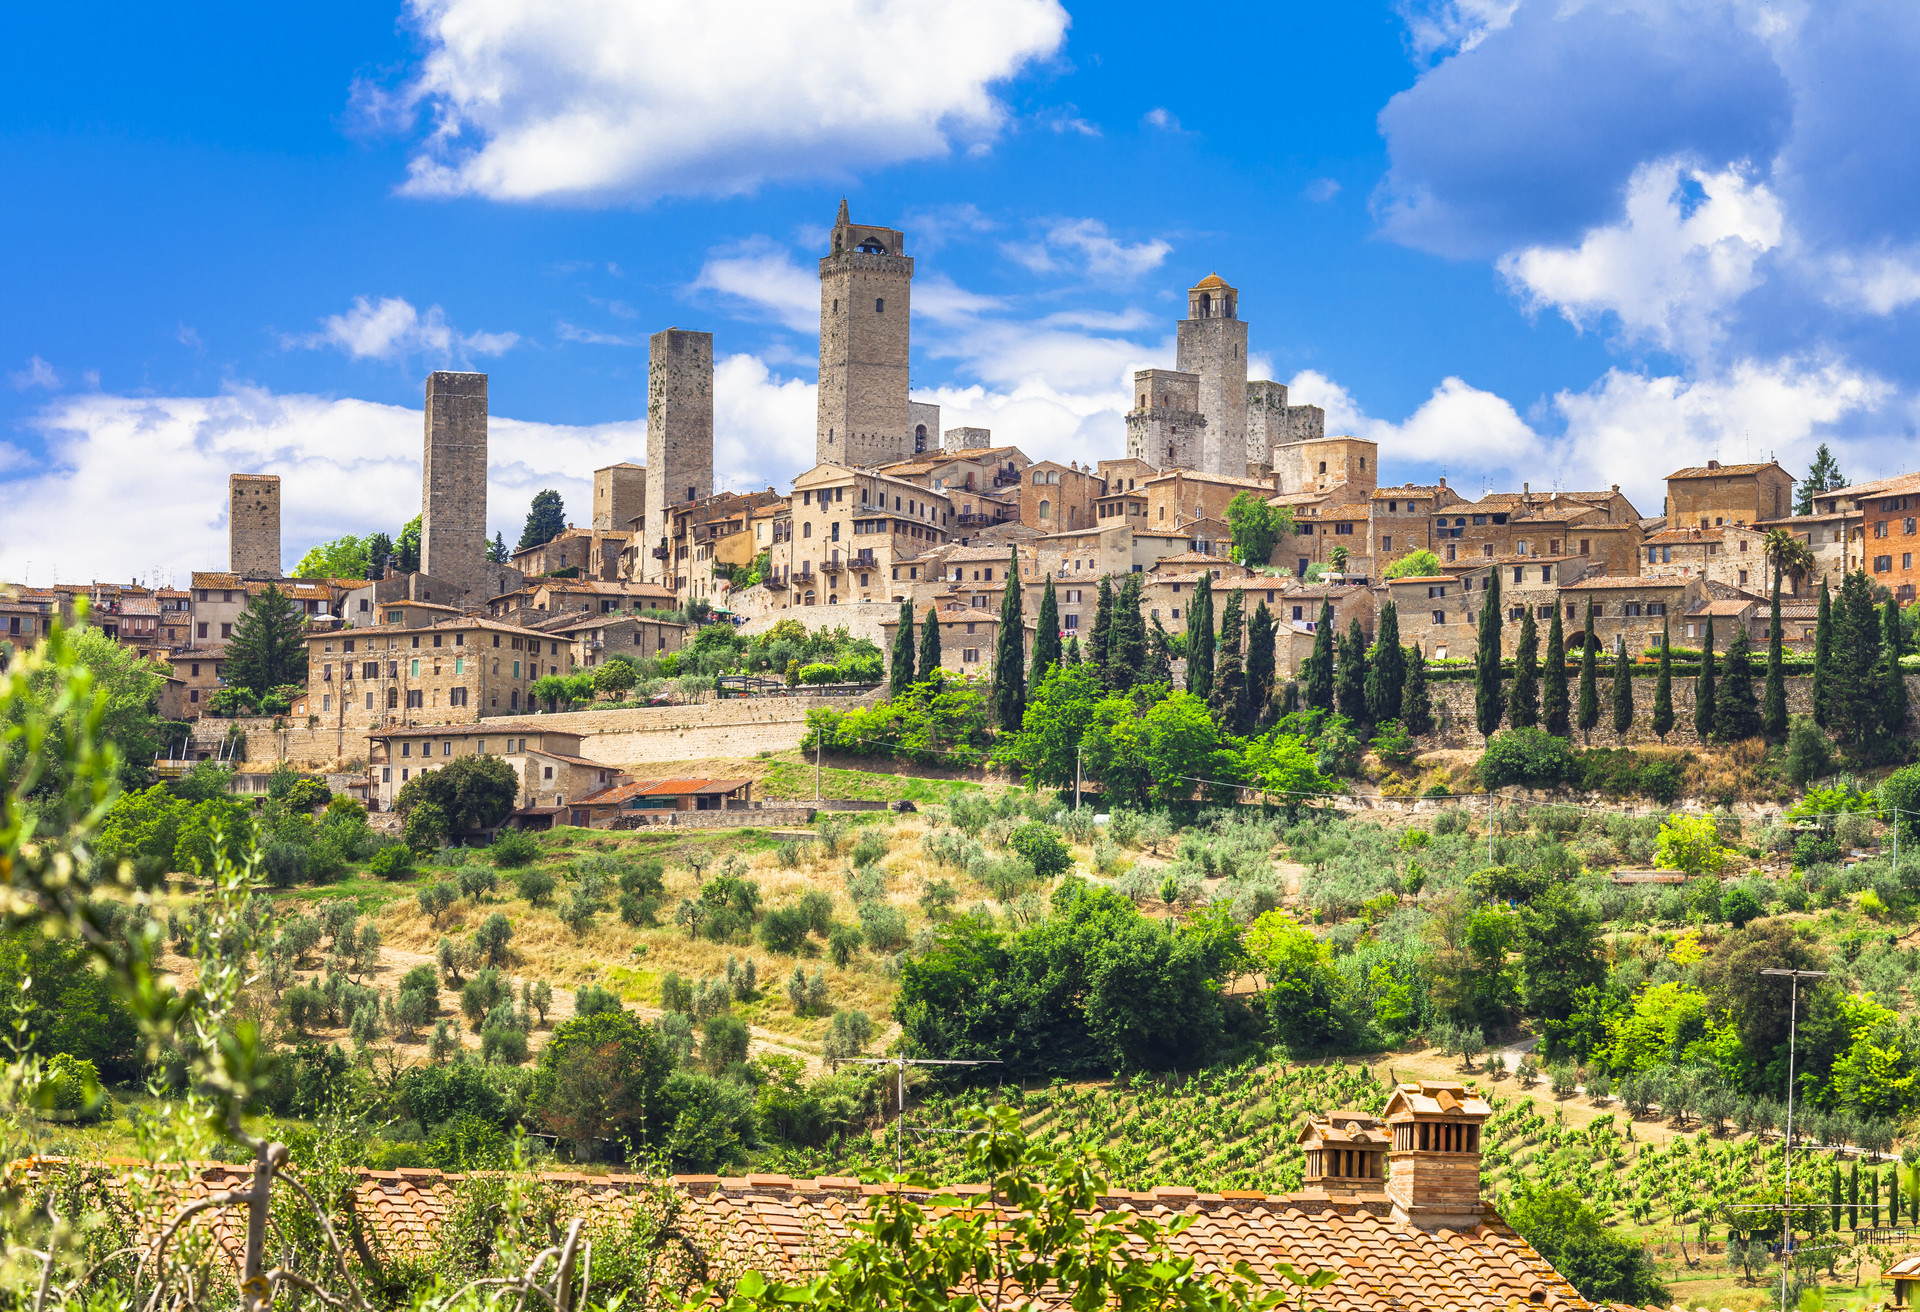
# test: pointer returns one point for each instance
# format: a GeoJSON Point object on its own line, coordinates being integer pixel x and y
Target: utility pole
{"type": "Point", "coordinates": [900, 1065]}
{"type": "Point", "coordinates": [1793, 1030]}
{"type": "Point", "coordinates": [818, 737]}
{"type": "Point", "coordinates": [1076, 803]}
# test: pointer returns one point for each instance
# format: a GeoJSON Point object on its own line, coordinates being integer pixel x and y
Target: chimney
{"type": "Point", "coordinates": [1346, 1154]}
{"type": "Point", "coordinates": [1713, 464]}
{"type": "Point", "coordinates": [1443, 480]}
{"type": "Point", "coordinates": [1526, 489]}
{"type": "Point", "coordinates": [1436, 1154]}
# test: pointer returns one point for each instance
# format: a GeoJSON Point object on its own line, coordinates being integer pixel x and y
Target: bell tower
{"type": "Point", "coordinates": [1212, 343]}
{"type": "Point", "coordinates": [866, 286]}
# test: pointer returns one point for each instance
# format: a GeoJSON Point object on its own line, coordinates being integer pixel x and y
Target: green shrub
{"type": "Point", "coordinates": [534, 885]}
{"type": "Point", "coordinates": [1043, 848]}
{"type": "Point", "coordinates": [514, 847]}
{"type": "Point", "coordinates": [784, 930]}
{"type": "Point", "coordinates": [1530, 757]}
{"type": "Point", "coordinates": [395, 862]}
{"type": "Point", "coordinates": [591, 1000]}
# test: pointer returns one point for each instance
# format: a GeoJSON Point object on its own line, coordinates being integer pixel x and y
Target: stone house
{"type": "Point", "coordinates": [1714, 495]}
{"type": "Point", "coordinates": [1726, 613]}
{"type": "Point", "coordinates": [1180, 496]}
{"type": "Point", "coordinates": [1835, 538]}
{"type": "Point", "coordinates": [649, 798]}
{"type": "Point", "coordinates": [1503, 524]}
{"type": "Point", "coordinates": [218, 599]}
{"type": "Point", "coordinates": [704, 533]}
{"type": "Point", "coordinates": [593, 552]}
{"type": "Point", "coordinates": [454, 672]}
{"type": "Point", "coordinates": [548, 761]}
{"type": "Point", "coordinates": [968, 636]}
{"type": "Point", "coordinates": [1058, 498]}
{"type": "Point", "coordinates": [1299, 614]}
{"type": "Point", "coordinates": [1323, 521]}
{"type": "Point", "coordinates": [540, 598]}
{"type": "Point", "coordinates": [1735, 554]}
{"type": "Point", "coordinates": [197, 671]}
{"type": "Point", "coordinates": [851, 527]}
{"type": "Point", "coordinates": [599, 636]}
{"type": "Point", "coordinates": [1634, 608]}
{"type": "Point", "coordinates": [1399, 521]}
{"type": "Point", "coordinates": [363, 612]}
{"type": "Point", "coordinates": [176, 616]}
{"type": "Point", "coordinates": [1321, 464]}
{"type": "Point", "coordinates": [1168, 588]}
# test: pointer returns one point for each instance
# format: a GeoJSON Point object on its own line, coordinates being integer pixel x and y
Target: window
{"type": "Point", "coordinates": [226, 630]}
{"type": "Point", "coordinates": [406, 749]}
{"type": "Point", "coordinates": [1881, 564]}
{"type": "Point", "coordinates": [416, 667]}
{"type": "Point", "coordinates": [1879, 528]}
{"type": "Point", "coordinates": [1434, 590]}
{"type": "Point", "coordinates": [1545, 612]}
{"type": "Point", "coordinates": [193, 695]}
{"type": "Point", "coordinates": [1586, 546]}
{"type": "Point", "coordinates": [1518, 570]}
{"type": "Point", "coordinates": [415, 699]}
{"type": "Point", "coordinates": [1343, 530]}
{"type": "Point", "coordinates": [457, 697]}
{"type": "Point", "coordinates": [1906, 560]}
{"type": "Point", "coordinates": [969, 655]}
{"type": "Point", "coordinates": [1439, 617]}
{"type": "Point", "coordinates": [1386, 543]}
{"type": "Point", "coordinates": [326, 674]}
{"type": "Point", "coordinates": [1175, 612]}
{"type": "Point", "coordinates": [1299, 613]}
{"type": "Point", "coordinates": [1546, 573]}
{"type": "Point", "coordinates": [879, 307]}
{"type": "Point", "coordinates": [1072, 621]}
{"type": "Point", "coordinates": [1743, 576]}
{"type": "Point", "coordinates": [516, 669]}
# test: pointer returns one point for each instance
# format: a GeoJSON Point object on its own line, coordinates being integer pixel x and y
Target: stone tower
{"type": "Point", "coordinates": [619, 495]}
{"type": "Point", "coordinates": [679, 433]}
{"type": "Point", "coordinates": [1165, 428]}
{"type": "Point", "coordinates": [1213, 344]}
{"type": "Point", "coordinates": [1272, 422]}
{"type": "Point", "coordinates": [866, 285]}
{"type": "Point", "coordinates": [253, 525]}
{"type": "Point", "coordinates": [453, 492]}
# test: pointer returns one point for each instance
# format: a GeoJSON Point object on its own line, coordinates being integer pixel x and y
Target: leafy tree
{"type": "Point", "coordinates": [1622, 690]}
{"type": "Point", "coordinates": [1306, 998]}
{"type": "Point", "coordinates": [1229, 698]}
{"type": "Point", "coordinates": [1200, 638]}
{"type": "Point", "coordinates": [1529, 756]}
{"type": "Point", "coordinates": [1319, 671]}
{"type": "Point", "coordinates": [1414, 565]}
{"type": "Point", "coordinates": [1773, 709]}
{"type": "Point", "coordinates": [1057, 716]}
{"type": "Point", "coordinates": [1553, 690]}
{"type": "Point", "coordinates": [426, 827]}
{"type": "Point", "coordinates": [1157, 752]}
{"type": "Point", "coordinates": [1009, 654]}
{"type": "Point", "coordinates": [1736, 714]}
{"type": "Point", "coordinates": [1046, 636]}
{"type": "Point", "coordinates": [1041, 845]}
{"type": "Point", "coordinates": [1127, 639]}
{"type": "Point", "coordinates": [1663, 686]}
{"type": "Point", "coordinates": [343, 558]}
{"type": "Point", "coordinates": [1893, 702]}
{"type": "Point", "coordinates": [614, 676]}
{"type": "Point", "coordinates": [929, 644]}
{"type": "Point", "coordinates": [1260, 663]}
{"type": "Point", "coordinates": [1350, 674]}
{"type": "Point", "coordinates": [1489, 703]}
{"type": "Point", "coordinates": [1283, 764]}
{"type": "Point", "coordinates": [1523, 701]}
{"type": "Point", "coordinates": [1387, 668]}
{"type": "Point", "coordinates": [546, 520]}
{"type": "Point", "coordinates": [1560, 954]}
{"type": "Point", "coordinates": [473, 792]}
{"type": "Point", "coordinates": [1604, 1266]}
{"type": "Point", "coordinates": [1589, 679]}
{"type": "Point", "coordinates": [1822, 656]}
{"type": "Point", "coordinates": [900, 670]}
{"type": "Point", "coordinates": [126, 690]}
{"type": "Point", "coordinates": [1101, 636]}
{"type": "Point", "coordinates": [1822, 476]}
{"type": "Point", "coordinates": [1257, 527]}
{"type": "Point", "coordinates": [406, 547]}
{"type": "Point", "coordinates": [600, 1076]}
{"type": "Point", "coordinates": [1416, 704]}
{"type": "Point", "coordinates": [269, 646]}
{"type": "Point", "coordinates": [1738, 906]}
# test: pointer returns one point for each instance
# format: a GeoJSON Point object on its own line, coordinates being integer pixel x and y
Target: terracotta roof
{"type": "Point", "coordinates": [1676, 536]}
{"type": "Point", "coordinates": [660, 788]}
{"type": "Point", "coordinates": [1702, 471]}
{"type": "Point", "coordinates": [957, 614]}
{"type": "Point", "coordinates": [1197, 476]}
{"type": "Point", "coordinates": [1408, 490]}
{"type": "Point", "coordinates": [483, 727]}
{"type": "Point", "coordinates": [618, 588]}
{"type": "Point", "coordinates": [1621, 581]}
{"type": "Point", "coordinates": [1199, 558]}
{"type": "Point", "coordinates": [573, 760]}
{"type": "Point", "coordinates": [1730, 606]}
{"type": "Point", "coordinates": [1211, 280]}
{"type": "Point", "coordinates": [788, 1229]}
{"type": "Point", "coordinates": [971, 554]}
{"type": "Point", "coordinates": [567, 621]}
{"type": "Point", "coordinates": [211, 579]}
{"type": "Point", "coordinates": [1423, 578]}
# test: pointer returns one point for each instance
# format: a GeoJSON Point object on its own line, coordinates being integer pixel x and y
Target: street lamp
{"type": "Point", "coordinates": [1793, 1026]}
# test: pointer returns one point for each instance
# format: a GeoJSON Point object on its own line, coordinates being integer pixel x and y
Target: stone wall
{"type": "Point", "coordinates": [763, 818]}
{"type": "Point", "coordinates": [1454, 716]}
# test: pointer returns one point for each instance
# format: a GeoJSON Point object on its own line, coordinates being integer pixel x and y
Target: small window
{"type": "Point", "coordinates": [879, 305]}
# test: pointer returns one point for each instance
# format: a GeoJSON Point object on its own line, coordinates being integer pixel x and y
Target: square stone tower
{"type": "Point", "coordinates": [1212, 342]}
{"type": "Point", "coordinates": [619, 494]}
{"type": "Point", "coordinates": [253, 525]}
{"type": "Point", "coordinates": [679, 434]}
{"type": "Point", "coordinates": [923, 423]}
{"type": "Point", "coordinates": [1166, 428]}
{"type": "Point", "coordinates": [453, 491]}
{"type": "Point", "coordinates": [966, 439]}
{"type": "Point", "coordinates": [866, 285]}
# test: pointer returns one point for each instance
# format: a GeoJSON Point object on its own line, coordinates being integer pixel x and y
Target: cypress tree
{"type": "Point", "coordinates": [1009, 655]}
{"type": "Point", "coordinates": [1102, 634]}
{"type": "Point", "coordinates": [1773, 714]}
{"type": "Point", "coordinates": [1663, 688]}
{"type": "Point", "coordinates": [1622, 690]}
{"type": "Point", "coordinates": [1319, 671]}
{"type": "Point", "coordinates": [1073, 651]}
{"type": "Point", "coordinates": [1259, 665]}
{"type": "Point", "coordinates": [1703, 689]}
{"type": "Point", "coordinates": [930, 644]}
{"type": "Point", "coordinates": [1416, 706]}
{"type": "Point", "coordinates": [1387, 670]}
{"type": "Point", "coordinates": [1159, 656]}
{"type": "Point", "coordinates": [1523, 702]}
{"type": "Point", "coordinates": [1046, 637]}
{"type": "Point", "coordinates": [1853, 1182]}
{"type": "Point", "coordinates": [1822, 652]}
{"type": "Point", "coordinates": [1488, 701]}
{"type": "Point", "coordinates": [1200, 639]}
{"type": "Point", "coordinates": [1228, 700]}
{"type": "Point", "coordinates": [1893, 700]}
{"type": "Point", "coordinates": [1553, 692]}
{"type": "Point", "coordinates": [1589, 679]}
{"type": "Point", "coordinates": [1736, 714]}
{"type": "Point", "coordinates": [900, 676]}
{"type": "Point", "coordinates": [1856, 665]}
{"type": "Point", "coordinates": [1127, 637]}
{"type": "Point", "coordinates": [1350, 679]}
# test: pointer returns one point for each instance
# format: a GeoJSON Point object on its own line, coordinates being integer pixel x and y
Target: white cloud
{"type": "Point", "coordinates": [763, 425]}
{"type": "Point", "coordinates": [1321, 190]}
{"type": "Point", "coordinates": [1683, 254]}
{"type": "Point", "coordinates": [38, 373]}
{"type": "Point", "coordinates": [1879, 283]}
{"type": "Point", "coordinates": [569, 332]}
{"type": "Point", "coordinates": [1086, 245]}
{"type": "Point", "coordinates": [1446, 26]}
{"type": "Point", "coordinates": [606, 99]}
{"type": "Point", "coordinates": [1457, 425]}
{"type": "Point", "coordinates": [393, 329]}
{"type": "Point", "coordinates": [1160, 117]}
{"type": "Point", "coordinates": [762, 274]}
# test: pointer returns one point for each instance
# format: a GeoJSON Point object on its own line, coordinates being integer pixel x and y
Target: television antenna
{"type": "Point", "coordinates": [900, 1065]}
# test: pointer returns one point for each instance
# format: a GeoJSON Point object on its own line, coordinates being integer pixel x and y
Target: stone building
{"type": "Point", "coordinates": [1272, 423]}
{"type": "Point", "coordinates": [1634, 609]}
{"type": "Point", "coordinates": [1056, 497]}
{"type": "Point", "coordinates": [923, 426]}
{"type": "Point", "coordinates": [1714, 495]}
{"type": "Point", "coordinates": [1603, 526]}
{"type": "Point", "coordinates": [1319, 464]}
{"type": "Point", "coordinates": [453, 672]}
{"type": "Point", "coordinates": [707, 533]}
{"type": "Point", "coordinates": [1341, 516]}
{"type": "Point", "coordinates": [866, 284]}
{"type": "Point", "coordinates": [596, 637]}
{"type": "Point", "coordinates": [1166, 428]}
{"type": "Point", "coordinates": [1182, 496]}
{"type": "Point", "coordinates": [1166, 590]}
{"type": "Point", "coordinates": [552, 772]}
{"type": "Point", "coordinates": [1211, 345]}
{"type": "Point", "coordinates": [1872, 526]}
{"type": "Point", "coordinates": [176, 615]}
{"type": "Point", "coordinates": [850, 528]}
{"type": "Point", "coordinates": [453, 496]}
{"type": "Point", "coordinates": [620, 498]}
{"type": "Point", "coordinates": [197, 671]}
{"type": "Point", "coordinates": [966, 439]}
{"type": "Point", "coordinates": [594, 553]}
{"type": "Point", "coordinates": [679, 437]}
{"type": "Point", "coordinates": [253, 525]}
{"type": "Point", "coordinates": [1735, 554]}
{"type": "Point", "coordinates": [968, 637]}
{"type": "Point", "coordinates": [543, 597]}
{"type": "Point", "coordinates": [1399, 520]}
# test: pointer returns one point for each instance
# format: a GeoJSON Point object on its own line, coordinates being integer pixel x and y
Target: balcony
{"type": "Point", "coordinates": [832, 565]}
{"type": "Point", "coordinates": [775, 580]}
{"type": "Point", "coordinates": [1004, 479]}
{"type": "Point", "coordinates": [659, 553]}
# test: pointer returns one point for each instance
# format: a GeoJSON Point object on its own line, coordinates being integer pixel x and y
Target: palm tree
{"type": "Point", "coordinates": [1789, 555]}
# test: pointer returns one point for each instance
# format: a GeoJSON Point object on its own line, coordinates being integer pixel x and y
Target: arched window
{"type": "Point", "coordinates": [919, 438]}
{"type": "Point", "coordinates": [806, 530]}
{"type": "Point", "coordinates": [1206, 304]}
{"type": "Point", "coordinates": [393, 699]}
{"type": "Point", "coordinates": [1039, 477]}
{"type": "Point", "coordinates": [1046, 510]}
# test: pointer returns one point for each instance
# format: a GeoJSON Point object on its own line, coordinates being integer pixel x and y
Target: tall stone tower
{"type": "Point", "coordinates": [866, 285]}
{"type": "Point", "coordinates": [1166, 428]}
{"type": "Point", "coordinates": [253, 525]}
{"type": "Point", "coordinates": [619, 495]}
{"type": "Point", "coordinates": [453, 492]}
{"type": "Point", "coordinates": [679, 433]}
{"type": "Point", "coordinates": [1213, 344]}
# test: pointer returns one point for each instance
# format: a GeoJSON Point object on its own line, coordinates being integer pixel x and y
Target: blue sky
{"type": "Point", "coordinates": [1566, 242]}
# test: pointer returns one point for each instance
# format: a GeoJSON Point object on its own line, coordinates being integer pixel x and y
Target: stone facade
{"type": "Point", "coordinates": [1211, 343]}
{"type": "Point", "coordinates": [552, 772]}
{"type": "Point", "coordinates": [866, 284]}
{"type": "Point", "coordinates": [1322, 463]}
{"type": "Point", "coordinates": [679, 436]}
{"type": "Point", "coordinates": [620, 498]}
{"type": "Point", "coordinates": [1056, 497]}
{"type": "Point", "coordinates": [1272, 422]}
{"type": "Point", "coordinates": [1713, 495]}
{"type": "Point", "coordinates": [1184, 496]}
{"type": "Point", "coordinates": [453, 494]}
{"type": "Point", "coordinates": [253, 525]}
{"type": "Point", "coordinates": [1735, 555]}
{"type": "Point", "coordinates": [1165, 428]}
{"type": "Point", "coordinates": [966, 439]}
{"type": "Point", "coordinates": [923, 422]}
{"type": "Point", "coordinates": [454, 672]}
{"type": "Point", "coordinates": [850, 528]}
